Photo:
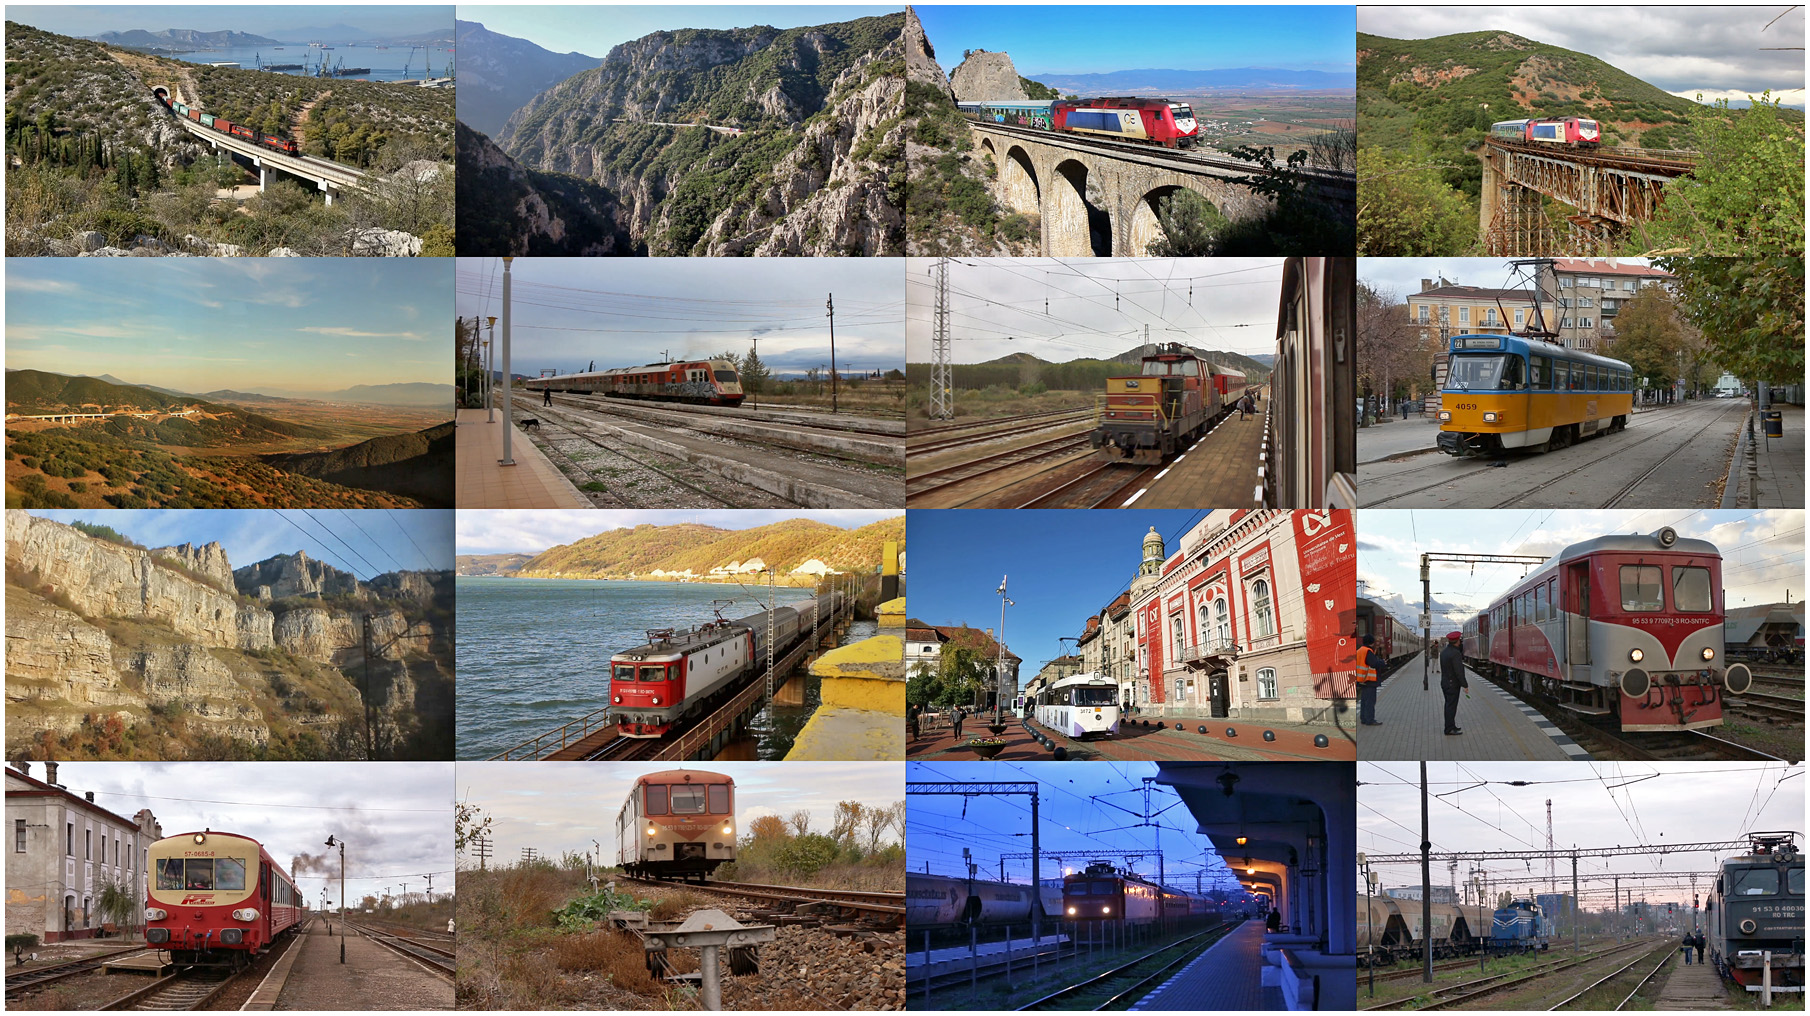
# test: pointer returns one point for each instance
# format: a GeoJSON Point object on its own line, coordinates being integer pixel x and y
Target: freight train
{"type": "Point", "coordinates": [710, 382]}
{"type": "Point", "coordinates": [1126, 118]}
{"type": "Point", "coordinates": [216, 899]}
{"type": "Point", "coordinates": [1147, 417]}
{"type": "Point", "coordinates": [225, 126]}
{"type": "Point", "coordinates": [1312, 459]}
{"type": "Point", "coordinates": [1571, 131]}
{"type": "Point", "coordinates": [1756, 908]}
{"type": "Point", "coordinates": [1624, 627]}
{"type": "Point", "coordinates": [1389, 930]}
{"type": "Point", "coordinates": [1507, 393]}
{"type": "Point", "coordinates": [677, 824]}
{"type": "Point", "coordinates": [939, 901]}
{"type": "Point", "coordinates": [679, 676]}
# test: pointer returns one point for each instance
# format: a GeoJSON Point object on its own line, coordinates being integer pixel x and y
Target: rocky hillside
{"type": "Point", "coordinates": [115, 650]}
{"type": "Point", "coordinates": [498, 74]}
{"type": "Point", "coordinates": [752, 141]}
{"type": "Point", "coordinates": [986, 76]}
{"type": "Point", "coordinates": [691, 549]}
{"type": "Point", "coordinates": [506, 208]}
{"type": "Point", "coordinates": [418, 465]}
{"type": "Point", "coordinates": [490, 564]}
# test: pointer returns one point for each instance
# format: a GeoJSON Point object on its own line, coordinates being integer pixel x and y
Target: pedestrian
{"type": "Point", "coordinates": [1689, 940]}
{"type": "Point", "coordinates": [1699, 947]}
{"type": "Point", "coordinates": [911, 721]}
{"type": "Point", "coordinates": [1273, 922]}
{"type": "Point", "coordinates": [1404, 410]}
{"type": "Point", "coordinates": [956, 717]}
{"type": "Point", "coordinates": [1366, 682]}
{"type": "Point", "coordinates": [1452, 680]}
{"type": "Point", "coordinates": [1246, 407]}
{"type": "Point", "coordinates": [546, 396]}
{"type": "Point", "coordinates": [1124, 707]}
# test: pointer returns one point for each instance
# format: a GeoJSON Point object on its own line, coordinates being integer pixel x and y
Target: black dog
{"type": "Point", "coordinates": [530, 423]}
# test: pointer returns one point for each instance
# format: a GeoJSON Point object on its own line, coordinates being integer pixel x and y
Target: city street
{"type": "Point", "coordinates": [1669, 457]}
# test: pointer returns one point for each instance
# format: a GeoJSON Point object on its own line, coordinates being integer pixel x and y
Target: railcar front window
{"type": "Point", "coordinates": [725, 376]}
{"type": "Point", "coordinates": [1105, 888]}
{"type": "Point", "coordinates": [656, 800]}
{"type": "Point", "coordinates": [169, 873]}
{"type": "Point", "coordinates": [1484, 373]}
{"type": "Point", "coordinates": [1794, 881]}
{"type": "Point", "coordinates": [688, 800]}
{"type": "Point", "coordinates": [1754, 882]}
{"type": "Point", "coordinates": [625, 673]}
{"type": "Point", "coordinates": [1077, 888]}
{"type": "Point", "coordinates": [1085, 696]}
{"type": "Point", "coordinates": [1641, 590]}
{"type": "Point", "coordinates": [653, 673]}
{"type": "Point", "coordinates": [1690, 590]}
{"type": "Point", "coordinates": [1181, 112]}
{"type": "Point", "coordinates": [719, 799]}
{"type": "Point", "coordinates": [200, 874]}
{"type": "Point", "coordinates": [229, 874]}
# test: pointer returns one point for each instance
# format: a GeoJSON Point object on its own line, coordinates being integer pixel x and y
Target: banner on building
{"type": "Point", "coordinates": [1328, 553]}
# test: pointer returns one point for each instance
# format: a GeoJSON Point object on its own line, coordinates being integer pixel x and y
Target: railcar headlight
{"type": "Point", "coordinates": [247, 914]}
{"type": "Point", "coordinates": [728, 830]}
{"type": "Point", "coordinates": [1489, 417]}
{"type": "Point", "coordinates": [1708, 654]}
{"type": "Point", "coordinates": [1748, 926]}
{"type": "Point", "coordinates": [617, 700]}
{"type": "Point", "coordinates": [1445, 416]}
{"type": "Point", "coordinates": [1636, 655]}
{"type": "Point", "coordinates": [656, 700]}
{"type": "Point", "coordinates": [154, 914]}
{"type": "Point", "coordinates": [1071, 911]}
{"type": "Point", "coordinates": [651, 830]}
{"type": "Point", "coordinates": [1105, 910]}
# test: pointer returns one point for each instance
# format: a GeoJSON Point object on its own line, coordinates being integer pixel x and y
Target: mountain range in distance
{"type": "Point", "coordinates": [181, 39]}
{"type": "Point", "coordinates": [1262, 362]}
{"type": "Point", "coordinates": [1129, 82]}
{"type": "Point", "coordinates": [405, 393]}
{"type": "Point", "coordinates": [498, 74]}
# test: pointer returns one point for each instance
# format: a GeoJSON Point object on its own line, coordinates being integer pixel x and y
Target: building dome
{"type": "Point", "coordinates": [1153, 553]}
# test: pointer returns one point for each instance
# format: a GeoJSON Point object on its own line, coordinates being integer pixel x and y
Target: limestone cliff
{"type": "Point", "coordinates": [920, 56]}
{"type": "Point", "coordinates": [984, 76]}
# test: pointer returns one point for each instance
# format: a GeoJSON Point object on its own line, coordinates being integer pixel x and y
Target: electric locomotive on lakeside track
{"type": "Point", "coordinates": [216, 898]}
{"type": "Point", "coordinates": [712, 382]}
{"type": "Point", "coordinates": [1625, 627]}
{"type": "Point", "coordinates": [1505, 393]}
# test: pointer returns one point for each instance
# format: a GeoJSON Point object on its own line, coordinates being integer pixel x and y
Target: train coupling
{"type": "Point", "coordinates": [1460, 444]}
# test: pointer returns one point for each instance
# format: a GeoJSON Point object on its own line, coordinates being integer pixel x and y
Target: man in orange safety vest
{"type": "Point", "coordinates": [1366, 682]}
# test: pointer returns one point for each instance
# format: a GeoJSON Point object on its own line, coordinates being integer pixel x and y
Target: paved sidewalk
{"type": "Point", "coordinates": [1497, 727]}
{"type": "Point", "coordinates": [1771, 471]}
{"type": "Point", "coordinates": [532, 482]}
{"type": "Point", "coordinates": [1397, 438]}
{"type": "Point", "coordinates": [1228, 977]}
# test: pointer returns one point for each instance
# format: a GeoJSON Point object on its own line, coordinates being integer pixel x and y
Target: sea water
{"type": "Point", "coordinates": [386, 64]}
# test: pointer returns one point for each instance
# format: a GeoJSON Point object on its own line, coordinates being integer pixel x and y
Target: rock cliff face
{"type": "Point", "coordinates": [498, 73]}
{"type": "Point", "coordinates": [985, 75]}
{"type": "Point", "coordinates": [920, 56]}
{"type": "Point", "coordinates": [208, 560]}
{"type": "Point", "coordinates": [751, 141]}
{"type": "Point", "coordinates": [506, 208]}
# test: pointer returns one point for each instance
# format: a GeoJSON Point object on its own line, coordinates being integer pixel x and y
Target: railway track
{"type": "Point", "coordinates": [1646, 746]}
{"type": "Point", "coordinates": [1129, 981]}
{"type": "Point", "coordinates": [1009, 427]}
{"type": "Point", "coordinates": [884, 905]}
{"type": "Point", "coordinates": [1107, 485]}
{"type": "Point", "coordinates": [1665, 957]}
{"type": "Point", "coordinates": [1453, 995]}
{"type": "Point", "coordinates": [949, 476]}
{"type": "Point", "coordinates": [440, 960]}
{"type": "Point", "coordinates": [954, 428]}
{"type": "Point", "coordinates": [1782, 706]}
{"type": "Point", "coordinates": [640, 458]}
{"type": "Point", "coordinates": [189, 988]}
{"type": "Point", "coordinates": [21, 983]}
{"type": "Point", "coordinates": [1327, 180]}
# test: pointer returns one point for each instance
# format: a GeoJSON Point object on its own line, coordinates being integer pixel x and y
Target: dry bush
{"type": "Point", "coordinates": [615, 953]}
{"type": "Point", "coordinates": [530, 895]}
{"type": "Point", "coordinates": [676, 906]}
{"type": "Point", "coordinates": [532, 981]}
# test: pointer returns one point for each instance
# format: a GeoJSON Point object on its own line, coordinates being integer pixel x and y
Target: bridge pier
{"type": "Point", "coordinates": [263, 174]}
{"type": "Point", "coordinates": [327, 192]}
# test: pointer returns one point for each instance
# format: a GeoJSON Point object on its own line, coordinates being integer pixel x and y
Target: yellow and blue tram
{"type": "Point", "coordinates": [1505, 393]}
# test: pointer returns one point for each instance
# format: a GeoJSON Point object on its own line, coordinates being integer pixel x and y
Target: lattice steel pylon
{"type": "Point", "coordinates": [942, 375]}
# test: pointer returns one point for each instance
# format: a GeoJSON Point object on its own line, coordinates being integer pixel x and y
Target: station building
{"type": "Point", "coordinates": [64, 849]}
{"type": "Point", "coordinates": [1250, 618]}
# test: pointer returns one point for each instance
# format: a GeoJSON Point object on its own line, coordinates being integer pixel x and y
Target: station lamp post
{"type": "Point", "coordinates": [508, 458]}
{"type": "Point", "coordinates": [341, 844]}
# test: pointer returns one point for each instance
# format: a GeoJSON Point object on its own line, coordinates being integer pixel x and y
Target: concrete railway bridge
{"type": "Point", "coordinates": [330, 178]}
{"type": "Point", "coordinates": [1611, 189]}
{"type": "Point", "coordinates": [1099, 198]}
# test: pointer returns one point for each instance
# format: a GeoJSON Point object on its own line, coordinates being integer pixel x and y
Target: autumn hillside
{"type": "Point", "coordinates": [696, 548]}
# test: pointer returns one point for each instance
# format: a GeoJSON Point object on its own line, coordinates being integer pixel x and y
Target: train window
{"type": "Point", "coordinates": [653, 673]}
{"type": "Point", "coordinates": [1690, 590]}
{"type": "Point", "coordinates": [1077, 888]}
{"type": "Point", "coordinates": [719, 798]}
{"type": "Point", "coordinates": [169, 873]}
{"type": "Point", "coordinates": [1552, 598]}
{"type": "Point", "coordinates": [1795, 881]}
{"type": "Point", "coordinates": [656, 799]}
{"type": "Point", "coordinates": [1753, 882]}
{"type": "Point", "coordinates": [725, 376]}
{"type": "Point", "coordinates": [1539, 370]}
{"type": "Point", "coordinates": [1190, 368]}
{"type": "Point", "coordinates": [1105, 888]}
{"type": "Point", "coordinates": [199, 873]}
{"type": "Point", "coordinates": [1561, 375]}
{"type": "Point", "coordinates": [1484, 373]}
{"type": "Point", "coordinates": [1539, 602]}
{"type": "Point", "coordinates": [687, 800]}
{"type": "Point", "coordinates": [1087, 696]}
{"type": "Point", "coordinates": [229, 874]}
{"type": "Point", "coordinates": [625, 673]}
{"type": "Point", "coordinates": [1640, 588]}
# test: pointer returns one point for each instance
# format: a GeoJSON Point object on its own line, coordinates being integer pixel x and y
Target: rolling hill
{"type": "Point", "coordinates": [38, 391]}
{"type": "Point", "coordinates": [697, 548]}
{"type": "Point", "coordinates": [490, 564]}
{"type": "Point", "coordinates": [418, 465]}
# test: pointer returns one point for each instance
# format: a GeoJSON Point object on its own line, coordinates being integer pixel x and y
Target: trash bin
{"type": "Point", "coordinates": [1775, 423]}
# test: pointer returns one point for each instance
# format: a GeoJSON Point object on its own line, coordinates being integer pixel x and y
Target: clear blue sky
{"type": "Point", "coordinates": [202, 324]}
{"type": "Point", "coordinates": [284, 22]}
{"type": "Point", "coordinates": [1081, 807]}
{"type": "Point", "coordinates": [1062, 566]}
{"type": "Point", "coordinates": [381, 538]}
{"type": "Point", "coordinates": [595, 29]}
{"type": "Point", "coordinates": [1093, 40]}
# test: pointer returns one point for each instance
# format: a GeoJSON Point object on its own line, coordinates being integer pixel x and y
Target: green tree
{"type": "Point", "coordinates": [1406, 209]}
{"type": "Point", "coordinates": [755, 374]}
{"type": "Point", "coordinates": [1191, 226]}
{"type": "Point", "coordinates": [1649, 336]}
{"type": "Point", "coordinates": [115, 900]}
{"type": "Point", "coordinates": [1750, 311]}
{"type": "Point", "coordinates": [1746, 195]}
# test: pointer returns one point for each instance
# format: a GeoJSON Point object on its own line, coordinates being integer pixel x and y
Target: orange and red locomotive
{"type": "Point", "coordinates": [217, 898]}
{"type": "Point", "coordinates": [1145, 418]}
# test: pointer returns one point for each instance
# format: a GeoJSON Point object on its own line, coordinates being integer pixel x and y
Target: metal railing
{"type": "Point", "coordinates": [541, 745]}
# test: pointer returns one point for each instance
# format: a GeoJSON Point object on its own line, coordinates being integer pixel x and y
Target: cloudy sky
{"type": "Point", "coordinates": [559, 806]}
{"type": "Point", "coordinates": [277, 21]}
{"type": "Point", "coordinates": [1096, 307]}
{"type": "Point", "coordinates": [1402, 276]}
{"type": "Point", "coordinates": [1721, 52]}
{"type": "Point", "coordinates": [625, 312]}
{"type": "Point", "coordinates": [272, 325]}
{"type": "Point", "coordinates": [365, 542]}
{"type": "Point", "coordinates": [595, 29]}
{"type": "Point", "coordinates": [1082, 808]}
{"type": "Point", "coordinates": [509, 531]}
{"type": "Point", "coordinates": [1762, 551]}
{"type": "Point", "coordinates": [396, 817]}
{"type": "Point", "coordinates": [1594, 804]}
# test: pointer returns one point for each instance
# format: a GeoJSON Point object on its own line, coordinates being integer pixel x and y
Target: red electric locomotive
{"type": "Point", "coordinates": [1571, 130]}
{"type": "Point", "coordinates": [1394, 641]}
{"type": "Point", "coordinates": [217, 898]}
{"type": "Point", "coordinates": [1104, 893]}
{"type": "Point", "coordinates": [1152, 121]}
{"type": "Point", "coordinates": [713, 382]}
{"type": "Point", "coordinates": [1626, 627]}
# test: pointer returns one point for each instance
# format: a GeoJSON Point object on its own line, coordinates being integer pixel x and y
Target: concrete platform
{"type": "Point", "coordinates": [952, 959]}
{"type": "Point", "coordinates": [862, 716]}
{"type": "Point", "coordinates": [1228, 977]}
{"type": "Point", "coordinates": [532, 482]}
{"type": "Point", "coordinates": [1220, 469]}
{"type": "Point", "coordinates": [371, 978]}
{"type": "Point", "coordinates": [1497, 727]}
{"type": "Point", "coordinates": [1769, 473]}
{"type": "Point", "coordinates": [1694, 987]}
{"type": "Point", "coordinates": [270, 989]}
{"type": "Point", "coordinates": [155, 964]}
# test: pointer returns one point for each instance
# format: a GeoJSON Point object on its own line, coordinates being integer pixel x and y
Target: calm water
{"type": "Point", "coordinates": [385, 64]}
{"type": "Point", "coordinates": [534, 653]}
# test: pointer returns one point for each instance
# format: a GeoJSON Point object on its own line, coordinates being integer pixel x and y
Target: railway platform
{"type": "Point", "coordinates": [1227, 977]}
{"type": "Point", "coordinates": [1695, 987]}
{"type": "Point", "coordinates": [1769, 473]}
{"type": "Point", "coordinates": [942, 962]}
{"type": "Point", "coordinates": [371, 978]}
{"type": "Point", "coordinates": [533, 482]}
{"type": "Point", "coordinates": [1496, 725]}
{"type": "Point", "coordinates": [1219, 469]}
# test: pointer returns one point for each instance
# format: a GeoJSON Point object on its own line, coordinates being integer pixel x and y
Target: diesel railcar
{"type": "Point", "coordinates": [1624, 627]}
{"type": "Point", "coordinates": [1506, 393]}
{"type": "Point", "coordinates": [678, 676]}
{"type": "Point", "coordinates": [709, 382]}
{"type": "Point", "coordinates": [1313, 446]}
{"type": "Point", "coordinates": [1756, 908]}
{"type": "Point", "coordinates": [216, 898]}
{"type": "Point", "coordinates": [1125, 118]}
{"type": "Point", "coordinates": [1080, 706]}
{"type": "Point", "coordinates": [677, 824]}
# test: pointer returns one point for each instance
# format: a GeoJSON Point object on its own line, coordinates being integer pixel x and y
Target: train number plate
{"type": "Point", "coordinates": [1465, 405]}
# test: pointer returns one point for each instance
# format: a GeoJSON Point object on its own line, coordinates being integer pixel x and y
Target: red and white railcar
{"type": "Point", "coordinates": [217, 898]}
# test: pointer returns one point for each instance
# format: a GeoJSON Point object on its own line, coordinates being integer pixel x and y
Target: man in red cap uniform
{"type": "Point", "coordinates": [1451, 679]}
